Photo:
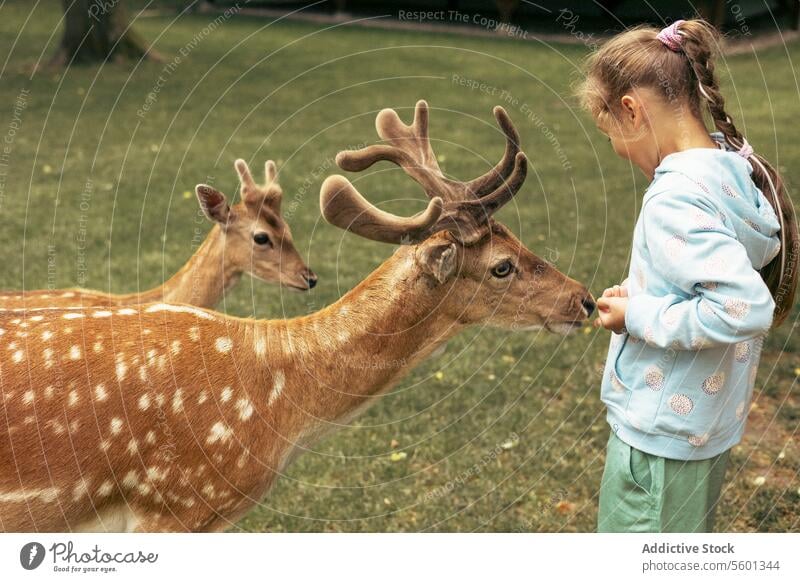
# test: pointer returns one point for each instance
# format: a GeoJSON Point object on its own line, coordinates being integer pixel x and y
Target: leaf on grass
{"type": "Point", "coordinates": [509, 359]}
{"type": "Point", "coordinates": [439, 375]}
{"type": "Point", "coordinates": [398, 456]}
{"type": "Point", "coordinates": [563, 507]}
{"type": "Point", "coordinates": [187, 194]}
{"type": "Point", "coordinates": [759, 481]}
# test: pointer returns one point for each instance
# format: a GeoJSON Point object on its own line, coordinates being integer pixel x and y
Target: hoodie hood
{"type": "Point", "coordinates": [724, 177]}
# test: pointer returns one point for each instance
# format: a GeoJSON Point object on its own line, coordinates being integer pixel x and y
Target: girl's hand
{"type": "Point", "coordinates": [611, 311]}
{"type": "Point", "coordinates": [620, 290]}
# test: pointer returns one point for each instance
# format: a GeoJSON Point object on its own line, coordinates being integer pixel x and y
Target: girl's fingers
{"type": "Point", "coordinates": [623, 291]}
{"type": "Point", "coordinates": [607, 292]}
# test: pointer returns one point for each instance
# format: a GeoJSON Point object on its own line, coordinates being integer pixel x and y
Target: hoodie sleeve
{"type": "Point", "coordinates": [723, 299]}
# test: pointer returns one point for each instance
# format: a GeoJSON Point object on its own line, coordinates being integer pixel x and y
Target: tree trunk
{"type": "Point", "coordinates": [96, 30]}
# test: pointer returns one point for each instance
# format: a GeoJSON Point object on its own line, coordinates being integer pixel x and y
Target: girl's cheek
{"type": "Point", "coordinates": [621, 149]}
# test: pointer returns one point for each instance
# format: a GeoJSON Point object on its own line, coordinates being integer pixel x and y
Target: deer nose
{"type": "Point", "coordinates": [588, 304]}
{"type": "Point", "coordinates": [311, 278]}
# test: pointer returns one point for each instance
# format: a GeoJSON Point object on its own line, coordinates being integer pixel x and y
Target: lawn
{"type": "Point", "coordinates": [504, 432]}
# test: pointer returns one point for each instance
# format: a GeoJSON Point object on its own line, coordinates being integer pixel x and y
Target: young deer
{"type": "Point", "coordinates": [249, 237]}
{"type": "Point", "coordinates": [172, 418]}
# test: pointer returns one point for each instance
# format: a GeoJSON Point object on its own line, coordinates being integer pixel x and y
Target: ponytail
{"type": "Point", "coordinates": [699, 42]}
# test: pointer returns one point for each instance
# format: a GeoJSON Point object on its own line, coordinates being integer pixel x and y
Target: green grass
{"type": "Point", "coordinates": [299, 93]}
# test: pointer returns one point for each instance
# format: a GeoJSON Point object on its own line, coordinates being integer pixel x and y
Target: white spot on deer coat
{"type": "Point", "coordinates": [101, 313]}
{"type": "Point", "coordinates": [245, 408]}
{"type": "Point", "coordinates": [177, 401]}
{"type": "Point", "coordinates": [72, 315]}
{"type": "Point", "coordinates": [179, 309]}
{"type": "Point", "coordinates": [48, 357]}
{"type": "Point", "coordinates": [126, 311]}
{"type": "Point", "coordinates": [105, 489]}
{"type": "Point", "coordinates": [130, 480]}
{"type": "Point", "coordinates": [116, 425]}
{"type": "Point", "coordinates": [133, 446]}
{"type": "Point", "coordinates": [144, 402]}
{"type": "Point", "coordinates": [80, 490]}
{"type": "Point", "coordinates": [227, 392]}
{"type": "Point", "coordinates": [194, 334]}
{"type": "Point", "coordinates": [122, 370]}
{"type": "Point", "coordinates": [156, 474]}
{"type": "Point", "coordinates": [27, 398]}
{"type": "Point", "coordinates": [150, 437]}
{"type": "Point", "coordinates": [224, 344]}
{"type": "Point", "coordinates": [73, 398]}
{"type": "Point", "coordinates": [260, 346]}
{"type": "Point", "coordinates": [48, 495]}
{"type": "Point", "coordinates": [279, 380]}
{"type": "Point", "coordinates": [75, 353]}
{"type": "Point", "coordinates": [202, 397]}
{"type": "Point", "coordinates": [18, 356]}
{"type": "Point", "coordinates": [219, 432]}
{"type": "Point", "coordinates": [97, 347]}
{"type": "Point", "coordinates": [100, 393]}
{"type": "Point", "coordinates": [47, 334]}
{"type": "Point", "coordinates": [175, 347]}
{"type": "Point", "coordinates": [37, 318]}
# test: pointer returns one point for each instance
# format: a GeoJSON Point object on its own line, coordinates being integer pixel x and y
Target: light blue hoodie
{"type": "Point", "coordinates": [678, 384]}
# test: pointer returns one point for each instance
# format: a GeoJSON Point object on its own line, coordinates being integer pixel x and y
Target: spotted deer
{"type": "Point", "coordinates": [248, 237]}
{"type": "Point", "coordinates": [167, 417]}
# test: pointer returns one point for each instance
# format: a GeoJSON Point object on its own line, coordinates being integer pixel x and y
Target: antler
{"type": "Point", "coordinates": [252, 191]}
{"type": "Point", "coordinates": [463, 208]}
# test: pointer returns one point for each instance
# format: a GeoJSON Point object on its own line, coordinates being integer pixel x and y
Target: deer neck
{"type": "Point", "coordinates": [202, 281]}
{"type": "Point", "coordinates": [339, 360]}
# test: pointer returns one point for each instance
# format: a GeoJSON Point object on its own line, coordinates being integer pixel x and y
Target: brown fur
{"type": "Point", "coordinates": [227, 252]}
{"type": "Point", "coordinates": [66, 437]}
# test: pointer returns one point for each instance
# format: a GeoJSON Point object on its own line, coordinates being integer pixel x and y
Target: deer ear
{"type": "Point", "coordinates": [213, 203]}
{"type": "Point", "coordinates": [437, 257]}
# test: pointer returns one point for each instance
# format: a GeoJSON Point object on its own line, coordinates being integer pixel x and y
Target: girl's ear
{"type": "Point", "coordinates": [630, 108]}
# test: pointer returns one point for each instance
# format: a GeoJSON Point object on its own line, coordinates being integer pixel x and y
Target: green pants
{"type": "Point", "coordinates": [645, 493]}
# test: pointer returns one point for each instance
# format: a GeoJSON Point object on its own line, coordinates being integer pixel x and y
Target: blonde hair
{"type": "Point", "coordinates": [637, 59]}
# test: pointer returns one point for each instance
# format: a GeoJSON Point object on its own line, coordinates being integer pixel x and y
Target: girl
{"type": "Point", "coordinates": [713, 267]}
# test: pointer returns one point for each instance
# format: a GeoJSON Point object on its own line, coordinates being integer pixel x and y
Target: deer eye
{"type": "Point", "coordinates": [503, 269]}
{"type": "Point", "coordinates": [261, 238]}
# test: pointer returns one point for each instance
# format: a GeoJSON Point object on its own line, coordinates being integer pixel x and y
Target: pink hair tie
{"type": "Point", "coordinates": [746, 150]}
{"type": "Point", "coordinates": [670, 36]}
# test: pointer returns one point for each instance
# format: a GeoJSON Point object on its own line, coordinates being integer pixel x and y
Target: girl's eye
{"type": "Point", "coordinates": [503, 269]}
{"type": "Point", "coordinates": [261, 238]}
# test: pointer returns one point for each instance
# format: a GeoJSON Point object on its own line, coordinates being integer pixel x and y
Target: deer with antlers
{"type": "Point", "coordinates": [172, 418]}
{"type": "Point", "coordinates": [249, 237]}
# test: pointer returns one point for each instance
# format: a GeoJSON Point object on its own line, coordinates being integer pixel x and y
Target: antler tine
{"type": "Point", "coordinates": [343, 206]}
{"type": "Point", "coordinates": [409, 147]}
{"type": "Point", "coordinates": [482, 208]}
{"type": "Point", "coordinates": [244, 174]}
{"type": "Point", "coordinates": [496, 176]}
{"type": "Point", "coordinates": [270, 171]}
